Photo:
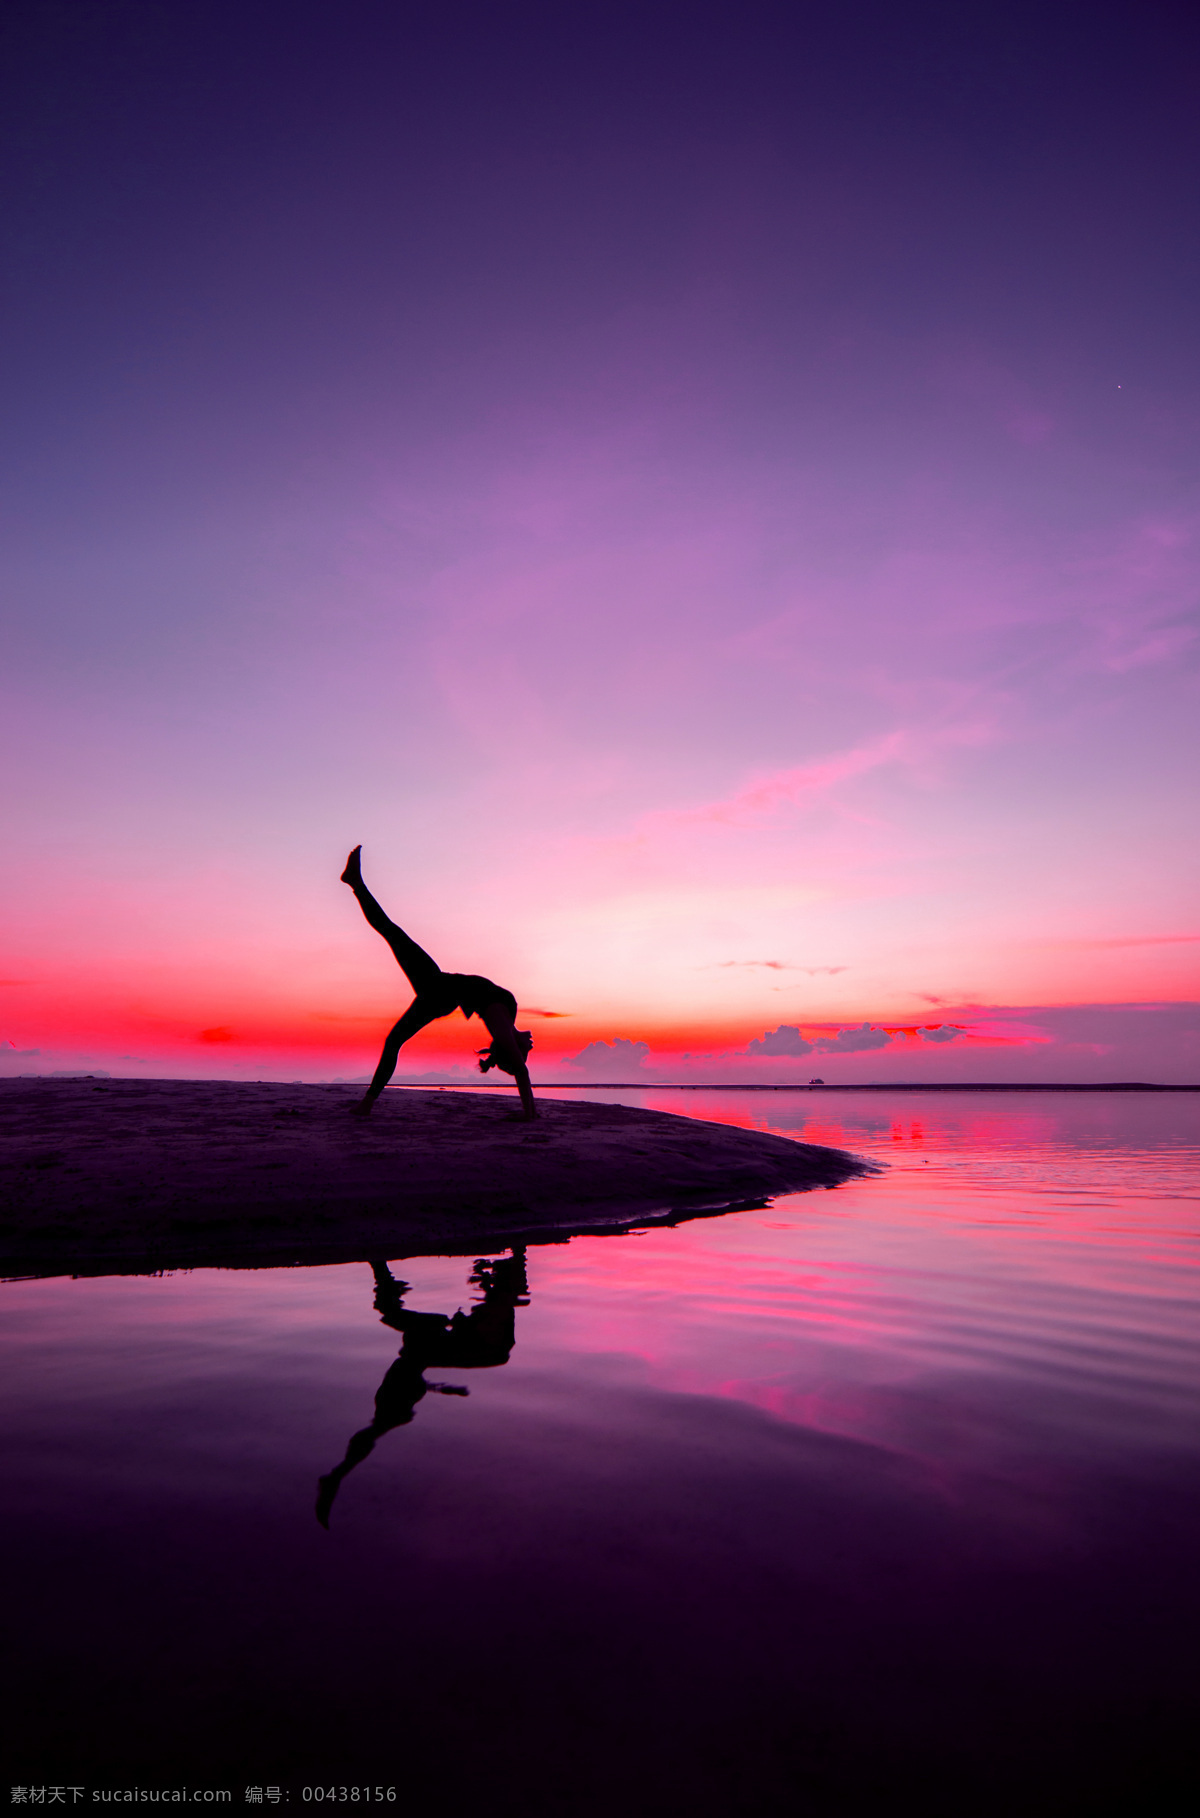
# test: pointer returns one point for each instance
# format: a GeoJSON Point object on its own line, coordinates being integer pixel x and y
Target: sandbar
{"type": "Point", "coordinates": [100, 1176]}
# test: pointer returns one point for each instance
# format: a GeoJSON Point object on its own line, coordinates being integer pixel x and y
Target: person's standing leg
{"type": "Point", "coordinates": [415, 1017]}
{"type": "Point", "coordinates": [389, 1294]}
{"type": "Point", "coordinates": [418, 968]}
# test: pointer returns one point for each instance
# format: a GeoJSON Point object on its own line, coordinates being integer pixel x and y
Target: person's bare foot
{"type": "Point", "coordinates": [353, 873]}
{"type": "Point", "coordinates": [362, 1108]}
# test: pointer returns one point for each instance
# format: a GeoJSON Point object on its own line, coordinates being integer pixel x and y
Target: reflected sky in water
{"type": "Point", "coordinates": [887, 1478]}
{"type": "Point", "coordinates": [1036, 1258]}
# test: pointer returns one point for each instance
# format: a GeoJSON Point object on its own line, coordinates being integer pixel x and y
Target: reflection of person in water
{"type": "Point", "coordinates": [478, 1340]}
{"type": "Point", "coordinates": [438, 994]}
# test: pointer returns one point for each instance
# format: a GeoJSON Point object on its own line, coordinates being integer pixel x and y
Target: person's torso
{"type": "Point", "coordinates": [473, 993]}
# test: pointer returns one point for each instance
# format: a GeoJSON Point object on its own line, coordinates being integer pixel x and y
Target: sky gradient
{"type": "Point", "coordinates": [709, 499]}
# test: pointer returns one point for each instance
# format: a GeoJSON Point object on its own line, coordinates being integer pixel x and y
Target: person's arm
{"type": "Point", "coordinates": [526, 1090]}
{"type": "Point", "coordinates": [512, 1045]}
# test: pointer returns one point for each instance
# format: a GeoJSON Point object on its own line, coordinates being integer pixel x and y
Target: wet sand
{"type": "Point", "coordinates": [101, 1175]}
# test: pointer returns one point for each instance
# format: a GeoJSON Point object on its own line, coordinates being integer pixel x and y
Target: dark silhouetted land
{"type": "Point", "coordinates": [156, 1174]}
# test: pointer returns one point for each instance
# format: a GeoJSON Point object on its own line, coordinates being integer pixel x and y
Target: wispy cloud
{"type": "Point", "coordinates": [790, 788]}
{"type": "Point", "coordinates": [1139, 593]}
{"type": "Point", "coordinates": [1129, 940]}
{"type": "Point", "coordinates": [337, 1016]}
{"type": "Point", "coordinates": [772, 966]}
{"type": "Point", "coordinates": [803, 784]}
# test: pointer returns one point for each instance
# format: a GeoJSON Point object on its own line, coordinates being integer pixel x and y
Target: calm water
{"type": "Point", "coordinates": [883, 1496]}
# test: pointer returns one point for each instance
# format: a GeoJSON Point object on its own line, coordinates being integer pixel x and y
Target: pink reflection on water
{"type": "Point", "coordinates": [1021, 1269]}
{"type": "Point", "coordinates": [1018, 1280]}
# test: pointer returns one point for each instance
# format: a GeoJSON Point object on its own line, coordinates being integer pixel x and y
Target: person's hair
{"type": "Point", "coordinates": [488, 1057]}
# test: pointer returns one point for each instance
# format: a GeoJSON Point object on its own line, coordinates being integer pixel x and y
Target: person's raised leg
{"type": "Point", "coordinates": [417, 966]}
{"type": "Point", "coordinates": [395, 1403]}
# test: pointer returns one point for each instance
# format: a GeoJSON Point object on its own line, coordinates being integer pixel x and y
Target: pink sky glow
{"type": "Point", "coordinates": [730, 585]}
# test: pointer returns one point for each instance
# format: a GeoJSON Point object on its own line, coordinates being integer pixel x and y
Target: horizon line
{"type": "Point", "coordinates": [639, 1085]}
{"type": "Point", "coordinates": [642, 1085]}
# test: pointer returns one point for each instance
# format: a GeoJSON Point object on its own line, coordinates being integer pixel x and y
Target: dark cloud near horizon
{"type": "Point", "coordinates": [850, 1041]}
{"type": "Point", "coordinates": [599, 1059]}
{"type": "Point", "coordinates": [788, 1040]}
{"type": "Point", "coordinates": [784, 1040]}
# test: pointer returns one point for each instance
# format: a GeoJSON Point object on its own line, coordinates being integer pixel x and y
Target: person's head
{"type": "Point", "coordinates": [499, 1054]}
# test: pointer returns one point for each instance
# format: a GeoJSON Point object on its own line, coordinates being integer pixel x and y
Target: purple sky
{"type": "Point", "coordinates": [708, 497]}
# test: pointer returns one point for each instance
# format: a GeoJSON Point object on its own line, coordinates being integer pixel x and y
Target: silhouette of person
{"type": "Point", "coordinates": [478, 1340]}
{"type": "Point", "coordinates": [438, 994]}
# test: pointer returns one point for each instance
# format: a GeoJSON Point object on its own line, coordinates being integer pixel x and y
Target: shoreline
{"type": "Point", "coordinates": [117, 1176]}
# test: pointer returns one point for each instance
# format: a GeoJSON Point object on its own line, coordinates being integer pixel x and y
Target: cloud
{"type": "Point", "coordinates": [21, 1052]}
{"type": "Point", "coordinates": [789, 788]}
{"type": "Point", "coordinates": [784, 1040]}
{"type": "Point", "coordinates": [804, 783]}
{"type": "Point", "coordinates": [787, 1039]}
{"type": "Point", "coordinates": [1133, 940]}
{"type": "Point", "coordinates": [528, 1010]}
{"type": "Point", "coordinates": [600, 1060]}
{"type": "Point", "coordinates": [1158, 647]}
{"type": "Point", "coordinates": [1139, 594]}
{"type": "Point", "coordinates": [428, 1076]}
{"type": "Point", "coordinates": [773, 966]}
{"type": "Point", "coordinates": [944, 1032]}
{"type": "Point", "coordinates": [849, 1041]}
{"type": "Point", "coordinates": [330, 1016]}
